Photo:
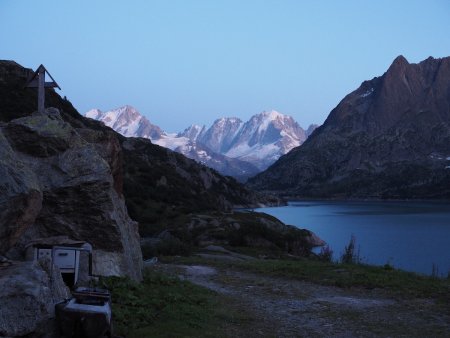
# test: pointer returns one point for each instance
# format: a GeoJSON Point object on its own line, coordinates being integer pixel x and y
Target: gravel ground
{"type": "Point", "coordinates": [281, 307]}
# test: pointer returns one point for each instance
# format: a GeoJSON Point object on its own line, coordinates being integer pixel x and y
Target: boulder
{"type": "Point", "coordinates": [28, 293]}
{"type": "Point", "coordinates": [74, 177]}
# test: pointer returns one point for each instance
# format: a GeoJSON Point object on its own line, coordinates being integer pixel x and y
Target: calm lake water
{"type": "Point", "coordinates": [408, 235]}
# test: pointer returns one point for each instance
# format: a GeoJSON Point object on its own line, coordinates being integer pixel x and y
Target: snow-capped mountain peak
{"type": "Point", "coordinates": [265, 137]}
{"type": "Point", "coordinates": [127, 121]}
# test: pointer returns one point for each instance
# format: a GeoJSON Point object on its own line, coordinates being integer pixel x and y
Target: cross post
{"type": "Point", "coordinates": [37, 79]}
{"type": "Point", "coordinates": [41, 89]}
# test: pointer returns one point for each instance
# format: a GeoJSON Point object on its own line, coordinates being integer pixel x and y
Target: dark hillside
{"type": "Point", "coordinates": [390, 138]}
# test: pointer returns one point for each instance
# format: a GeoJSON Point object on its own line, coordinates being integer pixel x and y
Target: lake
{"type": "Point", "coordinates": [412, 236]}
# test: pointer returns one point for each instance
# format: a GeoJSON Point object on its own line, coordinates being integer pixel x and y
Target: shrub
{"type": "Point", "coordinates": [325, 254]}
{"type": "Point", "coordinates": [349, 256]}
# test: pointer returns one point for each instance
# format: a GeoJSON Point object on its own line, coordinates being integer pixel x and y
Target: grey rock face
{"type": "Point", "coordinates": [70, 186]}
{"type": "Point", "coordinates": [390, 138]}
{"type": "Point", "coordinates": [20, 197]}
{"type": "Point", "coordinates": [28, 293]}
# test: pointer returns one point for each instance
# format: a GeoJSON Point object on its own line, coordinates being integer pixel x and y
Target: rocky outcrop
{"type": "Point", "coordinates": [250, 229]}
{"type": "Point", "coordinates": [68, 185]}
{"type": "Point", "coordinates": [390, 138]}
{"type": "Point", "coordinates": [28, 293]}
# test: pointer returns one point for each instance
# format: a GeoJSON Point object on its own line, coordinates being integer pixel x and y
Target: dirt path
{"type": "Point", "coordinates": [279, 307]}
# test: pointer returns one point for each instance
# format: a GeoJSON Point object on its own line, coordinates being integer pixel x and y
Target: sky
{"type": "Point", "coordinates": [183, 62]}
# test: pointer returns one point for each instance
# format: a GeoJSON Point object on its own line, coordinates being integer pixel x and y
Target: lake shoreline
{"type": "Point", "coordinates": [365, 199]}
{"type": "Point", "coordinates": [409, 235]}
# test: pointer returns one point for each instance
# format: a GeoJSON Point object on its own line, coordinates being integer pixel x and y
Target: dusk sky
{"type": "Point", "coordinates": [192, 61]}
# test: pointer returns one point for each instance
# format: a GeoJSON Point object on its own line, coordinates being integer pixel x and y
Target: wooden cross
{"type": "Point", "coordinates": [37, 79]}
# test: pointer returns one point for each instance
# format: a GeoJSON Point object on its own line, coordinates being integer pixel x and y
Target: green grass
{"type": "Point", "coordinates": [163, 306]}
{"type": "Point", "coordinates": [397, 282]}
{"type": "Point", "coordinates": [355, 275]}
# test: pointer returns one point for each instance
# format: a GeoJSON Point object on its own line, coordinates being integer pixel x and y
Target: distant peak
{"type": "Point", "coordinates": [127, 107]}
{"type": "Point", "coordinates": [400, 59]}
{"type": "Point", "coordinates": [272, 115]}
{"type": "Point", "coordinates": [271, 112]}
{"type": "Point", "coordinates": [398, 63]}
{"type": "Point", "coordinates": [94, 113]}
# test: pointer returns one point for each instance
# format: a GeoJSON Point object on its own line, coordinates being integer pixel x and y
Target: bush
{"type": "Point", "coordinates": [325, 254]}
{"type": "Point", "coordinates": [349, 256]}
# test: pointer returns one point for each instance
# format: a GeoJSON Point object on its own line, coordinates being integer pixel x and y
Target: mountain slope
{"type": "Point", "coordinates": [390, 138]}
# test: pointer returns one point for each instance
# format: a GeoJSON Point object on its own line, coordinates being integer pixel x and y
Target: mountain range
{"type": "Point", "coordinates": [390, 138]}
{"type": "Point", "coordinates": [231, 146]}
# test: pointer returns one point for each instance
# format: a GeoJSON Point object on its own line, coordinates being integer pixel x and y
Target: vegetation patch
{"type": "Point", "coordinates": [356, 275]}
{"type": "Point", "coordinates": [163, 306]}
{"type": "Point", "coordinates": [399, 283]}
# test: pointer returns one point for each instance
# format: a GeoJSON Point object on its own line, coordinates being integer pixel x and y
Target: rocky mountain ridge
{"type": "Point", "coordinates": [390, 138]}
{"type": "Point", "coordinates": [230, 146]}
